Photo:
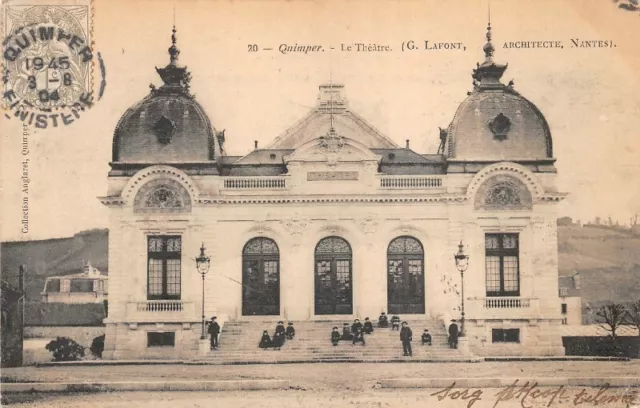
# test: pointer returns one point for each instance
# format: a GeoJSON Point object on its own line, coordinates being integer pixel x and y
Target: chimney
{"type": "Point", "coordinates": [255, 144]}
{"type": "Point", "coordinates": [331, 98]}
{"type": "Point", "coordinates": [407, 143]}
{"type": "Point", "coordinates": [576, 280]}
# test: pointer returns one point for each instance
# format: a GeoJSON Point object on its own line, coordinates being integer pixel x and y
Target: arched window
{"type": "Point", "coordinates": [405, 276]}
{"type": "Point", "coordinates": [260, 277]}
{"type": "Point", "coordinates": [333, 281]}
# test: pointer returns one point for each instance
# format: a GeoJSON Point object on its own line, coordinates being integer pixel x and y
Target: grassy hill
{"type": "Point", "coordinates": [608, 260]}
{"type": "Point", "coordinates": [53, 257]}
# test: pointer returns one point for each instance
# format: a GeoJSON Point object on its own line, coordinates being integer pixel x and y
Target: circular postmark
{"type": "Point", "coordinates": [47, 65]}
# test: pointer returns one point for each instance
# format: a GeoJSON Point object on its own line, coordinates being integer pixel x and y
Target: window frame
{"type": "Point", "coordinates": [166, 339]}
{"type": "Point", "coordinates": [501, 252]}
{"type": "Point", "coordinates": [503, 335]}
{"type": "Point", "coordinates": [563, 308]}
{"type": "Point", "coordinates": [164, 255]}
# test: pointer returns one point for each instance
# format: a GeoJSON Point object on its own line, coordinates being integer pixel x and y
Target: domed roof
{"type": "Point", "coordinates": [495, 122]}
{"type": "Point", "coordinates": [168, 125]}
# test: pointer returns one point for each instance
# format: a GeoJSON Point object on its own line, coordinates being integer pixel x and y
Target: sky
{"type": "Point", "coordinates": [589, 96]}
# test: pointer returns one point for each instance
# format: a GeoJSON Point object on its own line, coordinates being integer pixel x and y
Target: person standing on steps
{"type": "Point", "coordinates": [406, 336]}
{"type": "Point", "coordinates": [214, 332]}
{"type": "Point", "coordinates": [453, 335]}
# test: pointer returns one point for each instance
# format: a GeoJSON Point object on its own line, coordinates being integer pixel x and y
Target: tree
{"type": "Point", "coordinates": [633, 314]}
{"type": "Point", "coordinates": [612, 316]}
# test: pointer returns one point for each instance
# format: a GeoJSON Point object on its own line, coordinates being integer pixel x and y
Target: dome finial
{"type": "Point", "coordinates": [174, 52]}
{"type": "Point", "coordinates": [175, 77]}
{"type": "Point", "coordinates": [488, 73]}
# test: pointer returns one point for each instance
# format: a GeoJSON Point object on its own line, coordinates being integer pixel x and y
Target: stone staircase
{"type": "Point", "coordinates": [239, 345]}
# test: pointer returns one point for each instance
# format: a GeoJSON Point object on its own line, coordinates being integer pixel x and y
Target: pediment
{"type": "Point", "coordinates": [346, 123]}
{"type": "Point", "coordinates": [332, 149]}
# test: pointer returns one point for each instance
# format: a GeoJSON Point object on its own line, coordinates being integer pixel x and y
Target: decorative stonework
{"type": "Point", "coordinates": [157, 172]}
{"type": "Point", "coordinates": [514, 170]}
{"type": "Point", "coordinates": [295, 225]}
{"type": "Point", "coordinates": [503, 194]}
{"type": "Point", "coordinates": [369, 224]}
{"type": "Point", "coordinates": [260, 228]}
{"type": "Point", "coordinates": [332, 142]}
{"type": "Point", "coordinates": [162, 195]}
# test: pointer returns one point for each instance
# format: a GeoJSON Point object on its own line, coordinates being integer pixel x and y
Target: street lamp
{"type": "Point", "coordinates": [202, 264]}
{"type": "Point", "coordinates": [462, 262]}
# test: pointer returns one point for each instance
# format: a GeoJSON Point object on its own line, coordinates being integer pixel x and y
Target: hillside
{"type": "Point", "coordinates": [52, 257]}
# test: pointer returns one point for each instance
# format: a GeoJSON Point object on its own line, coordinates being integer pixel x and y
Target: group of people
{"type": "Point", "coordinates": [383, 321]}
{"type": "Point", "coordinates": [279, 336]}
{"type": "Point", "coordinates": [355, 333]}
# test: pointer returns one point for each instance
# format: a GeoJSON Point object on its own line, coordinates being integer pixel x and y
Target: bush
{"type": "Point", "coordinates": [97, 346]}
{"type": "Point", "coordinates": [65, 349]}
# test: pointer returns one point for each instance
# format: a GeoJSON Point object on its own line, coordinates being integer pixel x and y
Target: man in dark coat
{"type": "Point", "coordinates": [278, 340]}
{"type": "Point", "coordinates": [426, 338]}
{"type": "Point", "coordinates": [214, 332]}
{"type": "Point", "coordinates": [406, 336]}
{"type": "Point", "coordinates": [357, 331]}
{"type": "Point", "coordinates": [383, 321]}
{"type": "Point", "coordinates": [280, 328]}
{"type": "Point", "coordinates": [368, 327]}
{"type": "Point", "coordinates": [335, 336]}
{"type": "Point", "coordinates": [265, 341]}
{"type": "Point", "coordinates": [291, 331]}
{"type": "Point", "coordinates": [453, 334]}
{"type": "Point", "coordinates": [346, 332]}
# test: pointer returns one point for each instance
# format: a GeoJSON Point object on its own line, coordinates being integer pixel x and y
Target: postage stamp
{"type": "Point", "coordinates": [48, 61]}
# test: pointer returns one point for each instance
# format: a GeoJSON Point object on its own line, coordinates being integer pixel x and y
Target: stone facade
{"type": "Point", "coordinates": [333, 175]}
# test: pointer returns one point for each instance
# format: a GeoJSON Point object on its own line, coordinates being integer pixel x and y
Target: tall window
{"type": "Point", "coordinates": [260, 277]}
{"type": "Point", "coordinates": [163, 267]}
{"type": "Point", "coordinates": [502, 265]}
{"type": "Point", "coordinates": [405, 276]}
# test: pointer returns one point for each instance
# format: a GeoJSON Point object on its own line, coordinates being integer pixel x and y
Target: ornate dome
{"type": "Point", "coordinates": [495, 122]}
{"type": "Point", "coordinates": [168, 125]}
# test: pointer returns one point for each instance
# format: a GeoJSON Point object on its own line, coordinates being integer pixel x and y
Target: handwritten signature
{"type": "Point", "coordinates": [529, 392]}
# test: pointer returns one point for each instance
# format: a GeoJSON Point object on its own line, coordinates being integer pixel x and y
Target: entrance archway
{"type": "Point", "coordinates": [260, 277]}
{"type": "Point", "coordinates": [405, 276]}
{"type": "Point", "coordinates": [333, 277]}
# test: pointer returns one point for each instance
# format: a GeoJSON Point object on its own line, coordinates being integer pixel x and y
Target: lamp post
{"type": "Point", "coordinates": [462, 262]}
{"type": "Point", "coordinates": [202, 264]}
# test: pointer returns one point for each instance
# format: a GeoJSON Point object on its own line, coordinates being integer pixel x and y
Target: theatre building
{"type": "Point", "coordinates": [331, 221]}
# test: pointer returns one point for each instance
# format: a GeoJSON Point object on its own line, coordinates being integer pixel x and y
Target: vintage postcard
{"type": "Point", "coordinates": [311, 203]}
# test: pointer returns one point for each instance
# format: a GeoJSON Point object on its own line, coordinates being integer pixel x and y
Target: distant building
{"type": "Point", "coordinates": [570, 300]}
{"type": "Point", "coordinates": [89, 286]}
{"type": "Point", "coordinates": [11, 325]}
